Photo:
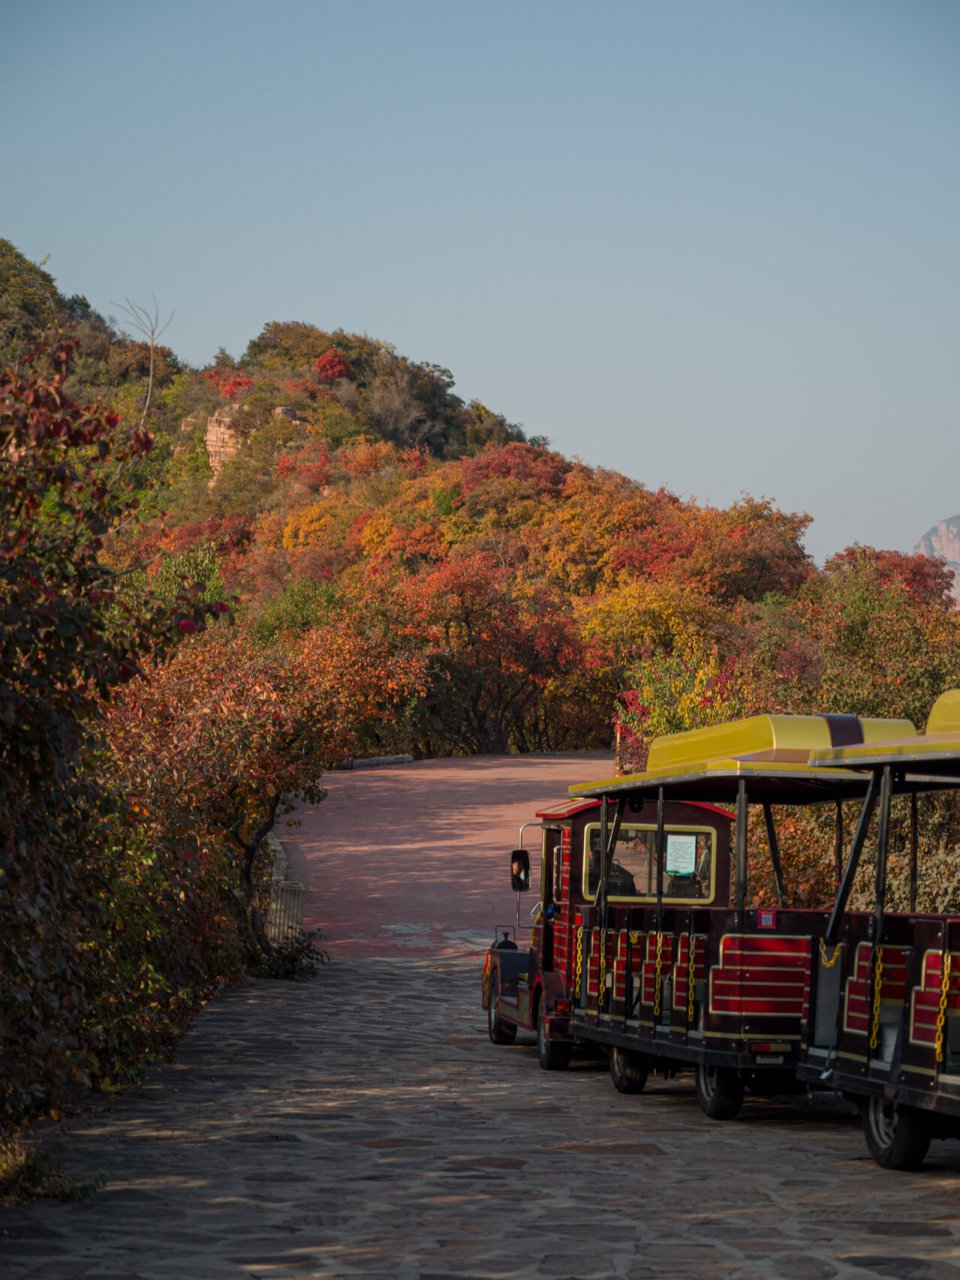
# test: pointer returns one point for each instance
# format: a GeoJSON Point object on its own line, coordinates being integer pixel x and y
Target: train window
{"type": "Point", "coordinates": [689, 864]}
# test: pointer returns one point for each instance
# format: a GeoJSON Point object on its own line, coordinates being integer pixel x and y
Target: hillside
{"type": "Point", "coordinates": [321, 476]}
{"type": "Point", "coordinates": [217, 584]}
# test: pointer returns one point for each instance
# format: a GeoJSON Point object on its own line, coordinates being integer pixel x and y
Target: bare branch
{"type": "Point", "coordinates": [148, 324]}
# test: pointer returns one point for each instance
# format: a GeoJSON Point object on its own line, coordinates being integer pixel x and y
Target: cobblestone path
{"type": "Point", "coordinates": [362, 1125]}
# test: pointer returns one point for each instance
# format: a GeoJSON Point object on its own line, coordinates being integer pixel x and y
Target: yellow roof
{"type": "Point", "coordinates": [767, 738]}
{"type": "Point", "coordinates": [773, 751]}
{"type": "Point", "coordinates": [937, 751]}
{"type": "Point", "coordinates": [944, 716]}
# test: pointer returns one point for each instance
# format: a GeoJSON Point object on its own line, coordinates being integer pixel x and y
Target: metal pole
{"type": "Point", "coordinates": [660, 852]}
{"type": "Point", "coordinates": [914, 848]}
{"type": "Point", "coordinates": [609, 848]}
{"type": "Point", "coordinates": [853, 861]}
{"type": "Point", "coordinates": [883, 839]}
{"type": "Point", "coordinates": [602, 886]}
{"type": "Point", "coordinates": [741, 885]}
{"type": "Point", "coordinates": [774, 845]}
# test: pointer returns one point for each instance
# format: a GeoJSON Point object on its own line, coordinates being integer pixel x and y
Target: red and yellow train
{"type": "Point", "coordinates": [647, 942]}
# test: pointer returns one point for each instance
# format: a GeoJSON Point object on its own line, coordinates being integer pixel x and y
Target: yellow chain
{"type": "Point", "coordinates": [635, 936]}
{"type": "Point", "coordinates": [691, 975]}
{"type": "Point", "coordinates": [942, 1010]}
{"type": "Point", "coordinates": [578, 975]}
{"type": "Point", "coordinates": [658, 979]}
{"type": "Point", "coordinates": [877, 982]}
{"type": "Point", "coordinates": [828, 964]}
{"type": "Point", "coordinates": [602, 980]}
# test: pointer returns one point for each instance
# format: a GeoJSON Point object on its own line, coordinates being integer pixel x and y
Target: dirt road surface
{"type": "Point", "coordinates": [362, 1125]}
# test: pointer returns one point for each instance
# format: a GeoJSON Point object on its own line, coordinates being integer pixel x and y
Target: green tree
{"type": "Point", "coordinates": [29, 301]}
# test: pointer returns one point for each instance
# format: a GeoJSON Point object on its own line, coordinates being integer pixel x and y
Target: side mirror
{"type": "Point", "coordinates": [520, 870]}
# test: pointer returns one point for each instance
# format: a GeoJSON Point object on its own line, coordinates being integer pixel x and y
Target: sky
{"type": "Point", "coordinates": [713, 244]}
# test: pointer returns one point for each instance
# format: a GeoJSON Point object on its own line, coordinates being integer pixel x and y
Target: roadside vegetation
{"type": "Point", "coordinates": [368, 566]}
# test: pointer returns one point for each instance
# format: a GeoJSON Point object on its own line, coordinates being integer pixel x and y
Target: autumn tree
{"type": "Point", "coordinates": [72, 631]}
{"type": "Point", "coordinates": [29, 302]}
{"type": "Point", "coordinates": [223, 738]}
{"type": "Point", "coordinates": [492, 644]}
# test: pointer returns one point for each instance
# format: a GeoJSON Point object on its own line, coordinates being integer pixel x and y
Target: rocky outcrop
{"type": "Point", "coordinates": [223, 438]}
{"type": "Point", "coordinates": [943, 542]}
{"type": "Point", "coordinates": [225, 432]}
{"type": "Point", "coordinates": [291, 415]}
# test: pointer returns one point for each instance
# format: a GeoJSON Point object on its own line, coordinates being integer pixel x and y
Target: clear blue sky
{"type": "Point", "coordinates": [714, 244]}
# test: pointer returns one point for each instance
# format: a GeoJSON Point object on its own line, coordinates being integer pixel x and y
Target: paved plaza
{"type": "Point", "coordinates": [362, 1125]}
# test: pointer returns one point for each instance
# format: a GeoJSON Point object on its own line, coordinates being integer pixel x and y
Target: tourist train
{"type": "Point", "coordinates": [664, 934]}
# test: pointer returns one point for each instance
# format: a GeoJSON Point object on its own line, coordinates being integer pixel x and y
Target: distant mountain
{"type": "Point", "coordinates": [943, 540]}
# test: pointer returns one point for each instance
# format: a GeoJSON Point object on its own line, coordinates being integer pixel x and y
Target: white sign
{"type": "Point", "coordinates": [681, 855]}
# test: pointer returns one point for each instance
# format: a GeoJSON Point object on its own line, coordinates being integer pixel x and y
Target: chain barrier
{"type": "Point", "coordinates": [942, 1008]}
{"type": "Point", "coordinates": [578, 973]}
{"type": "Point", "coordinates": [658, 976]}
{"type": "Point", "coordinates": [691, 976]}
{"type": "Point", "coordinates": [828, 964]}
{"type": "Point", "coordinates": [877, 983]}
{"type": "Point", "coordinates": [602, 978]}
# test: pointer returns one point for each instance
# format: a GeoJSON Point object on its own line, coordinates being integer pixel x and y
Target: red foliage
{"type": "Point", "coordinates": [318, 564]}
{"type": "Point", "coordinates": [470, 605]}
{"type": "Point", "coordinates": [231, 535]}
{"type": "Point", "coordinates": [311, 467]}
{"type": "Point", "coordinates": [745, 551]}
{"type": "Point", "coordinates": [494, 646]}
{"type": "Point", "coordinates": [228, 383]}
{"type": "Point", "coordinates": [412, 544]}
{"type": "Point", "coordinates": [332, 367]}
{"type": "Point", "coordinates": [653, 551]}
{"type": "Point", "coordinates": [925, 581]}
{"type": "Point", "coordinates": [545, 471]}
{"type": "Point", "coordinates": [304, 387]}
{"type": "Point", "coordinates": [362, 457]}
{"type": "Point", "coordinates": [59, 652]}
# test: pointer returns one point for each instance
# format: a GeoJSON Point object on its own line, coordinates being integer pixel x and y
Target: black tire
{"type": "Point", "coordinates": [719, 1091]}
{"type": "Point", "coordinates": [897, 1137]}
{"type": "Point", "coordinates": [553, 1055]}
{"type": "Point", "coordinates": [629, 1070]}
{"type": "Point", "coordinates": [501, 1032]}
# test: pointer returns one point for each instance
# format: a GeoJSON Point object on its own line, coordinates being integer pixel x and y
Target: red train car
{"type": "Point", "coordinates": [646, 943]}
{"type": "Point", "coordinates": [886, 984]}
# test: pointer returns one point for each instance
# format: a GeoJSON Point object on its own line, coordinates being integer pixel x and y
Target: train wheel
{"type": "Point", "coordinates": [719, 1091]}
{"type": "Point", "coordinates": [897, 1137]}
{"type": "Point", "coordinates": [553, 1055]}
{"type": "Point", "coordinates": [628, 1070]}
{"type": "Point", "coordinates": [500, 1032]}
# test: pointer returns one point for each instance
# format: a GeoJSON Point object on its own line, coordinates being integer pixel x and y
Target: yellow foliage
{"type": "Point", "coordinates": [375, 534]}
{"type": "Point", "coordinates": [325, 521]}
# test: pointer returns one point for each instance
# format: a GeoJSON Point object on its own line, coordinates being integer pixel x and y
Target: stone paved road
{"type": "Point", "coordinates": [363, 1126]}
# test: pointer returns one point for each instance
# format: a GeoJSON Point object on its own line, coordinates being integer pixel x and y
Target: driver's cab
{"type": "Point", "coordinates": [696, 862]}
{"type": "Point", "coordinates": [695, 872]}
{"type": "Point", "coordinates": [524, 982]}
